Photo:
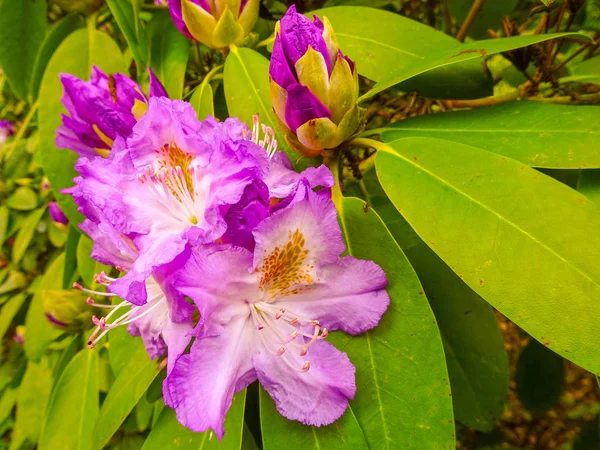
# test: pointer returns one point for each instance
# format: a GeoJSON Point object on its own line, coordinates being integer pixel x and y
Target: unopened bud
{"type": "Point", "coordinates": [67, 309]}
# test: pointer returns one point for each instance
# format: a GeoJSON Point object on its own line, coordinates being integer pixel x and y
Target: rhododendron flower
{"type": "Point", "coordinates": [265, 315]}
{"type": "Point", "coordinates": [314, 87]}
{"type": "Point", "coordinates": [100, 110]}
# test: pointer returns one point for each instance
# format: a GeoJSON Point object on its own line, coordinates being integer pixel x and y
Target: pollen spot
{"type": "Point", "coordinates": [170, 155]}
{"type": "Point", "coordinates": [284, 267]}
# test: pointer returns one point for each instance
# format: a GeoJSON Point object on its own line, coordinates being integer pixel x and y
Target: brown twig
{"type": "Point", "coordinates": [464, 29]}
{"type": "Point", "coordinates": [570, 58]}
{"type": "Point", "coordinates": [486, 101]}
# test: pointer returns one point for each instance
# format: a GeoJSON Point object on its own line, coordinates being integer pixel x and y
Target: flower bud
{"type": "Point", "coordinates": [67, 309]}
{"type": "Point", "coordinates": [79, 6]}
{"type": "Point", "coordinates": [57, 216]}
{"type": "Point", "coordinates": [216, 23]}
{"type": "Point", "coordinates": [7, 129]}
{"type": "Point", "coordinates": [100, 110]}
{"type": "Point", "coordinates": [313, 85]}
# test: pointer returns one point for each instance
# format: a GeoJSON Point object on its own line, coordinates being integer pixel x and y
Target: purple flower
{"type": "Point", "coordinates": [172, 182]}
{"type": "Point", "coordinates": [314, 87]}
{"type": "Point", "coordinates": [265, 315]}
{"type": "Point", "coordinates": [100, 110]}
{"type": "Point", "coordinates": [216, 23]}
{"type": "Point", "coordinates": [7, 129]}
{"type": "Point", "coordinates": [56, 214]}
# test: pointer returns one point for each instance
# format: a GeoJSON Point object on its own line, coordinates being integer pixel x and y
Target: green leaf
{"type": "Point", "coordinates": [246, 83]}
{"type": "Point", "coordinates": [4, 218]}
{"type": "Point", "coordinates": [23, 199]}
{"type": "Point", "coordinates": [403, 397]}
{"type": "Point", "coordinates": [169, 52]}
{"type": "Point", "coordinates": [91, 47]}
{"type": "Point", "coordinates": [473, 342]}
{"type": "Point", "coordinates": [58, 33]}
{"type": "Point", "coordinates": [459, 54]}
{"type": "Point", "coordinates": [122, 346]}
{"type": "Point", "coordinates": [519, 130]}
{"type": "Point", "coordinates": [40, 333]}
{"type": "Point", "coordinates": [404, 43]}
{"type": "Point", "coordinates": [277, 431]}
{"type": "Point", "coordinates": [487, 228]}
{"type": "Point", "coordinates": [589, 184]}
{"type": "Point", "coordinates": [168, 433]}
{"type": "Point", "coordinates": [25, 234]}
{"type": "Point", "coordinates": [32, 399]}
{"type": "Point", "coordinates": [73, 406]}
{"type": "Point", "coordinates": [587, 71]}
{"type": "Point", "coordinates": [22, 30]}
{"type": "Point", "coordinates": [540, 377]}
{"type": "Point", "coordinates": [14, 280]}
{"type": "Point", "coordinates": [202, 100]}
{"type": "Point", "coordinates": [70, 256]}
{"type": "Point", "coordinates": [126, 17]}
{"type": "Point", "coordinates": [8, 312]}
{"type": "Point", "coordinates": [67, 355]}
{"type": "Point", "coordinates": [126, 391]}
{"type": "Point", "coordinates": [489, 16]}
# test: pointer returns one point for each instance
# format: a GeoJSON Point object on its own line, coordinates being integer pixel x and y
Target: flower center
{"type": "Point", "coordinates": [282, 333]}
{"type": "Point", "coordinates": [156, 303]}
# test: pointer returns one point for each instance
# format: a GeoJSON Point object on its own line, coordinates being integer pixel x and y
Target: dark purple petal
{"type": "Point", "coordinates": [279, 67]}
{"type": "Point", "coordinates": [55, 321]}
{"type": "Point", "coordinates": [156, 87]}
{"type": "Point", "coordinates": [7, 129]}
{"type": "Point", "coordinates": [301, 106]}
{"type": "Point", "coordinates": [348, 60]}
{"type": "Point", "coordinates": [243, 5]}
{"type": "Point", "coordinates": [298, 33]}
{"type": "Point", "coordinates": [246, 214]}
{"type": "Point", "coordinates": [56, 214]}
{"type": "Point", "coordinates": [317, 397]}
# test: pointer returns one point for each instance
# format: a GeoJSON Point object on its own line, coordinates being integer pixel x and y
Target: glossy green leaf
{"type": "Point", "coordinates": [403, 398]}
{"type": "Point", "coordinates": [7, 313]}
{"type": "Point", "coordinates": [26, 233]}
{"type": "Point", "coordinates": [4, 218]}
{"type": "Point", "coordinates": [461, 53]}
{"type": "Point", "coordinates": [487, 228]}
{"type": "Point", "coordinates": [126, 391]}
{"type": "Point", "coordinates": [277, 431]}
{"type": "Point", "coordinates": [22, 30]}
{"type": "Point", "coordinates": [73, 406]}
{"type": "Point", "coordinates": [123, 11]}
{"type": "Point", "coordinates": [58, 33]}
{"type": "Point", "coordinates": [589, 184]}
{"type": "Point", "coordinates": [168, 433]}
{"type": "Point", "coordinates": [539, 377]}
{"type": "Point", "coordinates": [520, 130]}
{"type": "Point", "coordinates": [246, 81]}
{"type": "Point", "coordinates": [587, 71]}
{"type": "Point", "coordinates": [489, 16]}
{"type": "Point", "coordinates": [32, 399]}
{"type": "Point", "coordinates": [169, 52]}
{"type": "Point", "coordinates": [40, 333]}
{"type": "Point", "coordinates": [67, 355]}
{"type": "Point", "coordinates": [70, 256]}
{"type": "Point", "coordinates": [14, 280]}
{"type": "Point", "coordinates": [202, 100]}
{"type": "Point", "coordinates": [23, 199]}
{"type": "Point", "coordinates": [406, 42]}
{"type": "Point", "coordinates": [122, 346]}
{"type": "Point", "coordinates": [91, 47]}
{"type": "Point", "coordinates": [473, 342]}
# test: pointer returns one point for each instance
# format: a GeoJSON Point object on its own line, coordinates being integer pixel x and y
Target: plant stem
{"type": "Point", "coordinates": [464, 29]}
{"type": "Point", "coordinates": [332, 161]}
{"type": "Point", "coordinates": [570, 58]}
{"type": "Point", "coordinates": [486, 101]}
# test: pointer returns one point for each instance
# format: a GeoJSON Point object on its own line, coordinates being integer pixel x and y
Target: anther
{"type": "Point", "coordinates": [280, 351]}
{"type": "Point", "coordinates": [260, 326]}
{"type": "Point", "coordinates": [305, 366]}
{"type": "Point", "coordinates": [324, 333]}
{"type": "Point", "coordinates": [279, 313]}
{"type": "Point", "coordinates": [304, 351]}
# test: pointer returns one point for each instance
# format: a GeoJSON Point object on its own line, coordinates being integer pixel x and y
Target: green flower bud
{"type": "Point", "coordinates": [67, 309]}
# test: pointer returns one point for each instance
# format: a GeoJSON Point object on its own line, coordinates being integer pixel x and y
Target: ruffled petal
{"type": "Point", "coordinates": [317, 397]}
{"type": "Point", "coordinates": [282, 178]}
{"type": "Point", "coordinates": [347, 295]}
{"type": "Point", "coordinates": [201, 385]}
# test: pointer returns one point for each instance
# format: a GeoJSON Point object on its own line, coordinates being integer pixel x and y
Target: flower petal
{"type": "Point", "coordinates": [301, 106]}
{"type": "Point", "coordinates": [349, 295]}
{"type": "Point", "coordinates": [316, 397]}
{"type": "Point", "coordinates": [201, 385]}
{"type": "Point", "coordinates": [282, 178]}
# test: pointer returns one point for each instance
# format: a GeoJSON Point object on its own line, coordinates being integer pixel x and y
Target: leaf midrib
{"type": "Point", "coordinates": [483, 130]}
{"type": "Point", "coordinates": [381, 44]}
{"type": "Point", "coordinates": [390, 151]}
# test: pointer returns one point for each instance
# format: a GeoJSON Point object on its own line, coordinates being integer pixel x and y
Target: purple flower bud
{"type": "Point", "coordinates": [216, 23]}
{"type": "Point", "coordinates": [7, 129]}
{"type": "Point", "coordinates": [100, 110]}
{"type": "Point", "coordinates": [313, 85]}
{"type": "Point", "coordinates": [56, 214]}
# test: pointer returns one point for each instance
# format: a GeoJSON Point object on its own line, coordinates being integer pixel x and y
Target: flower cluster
{"type": "Point", "coordinates": [216, 241]}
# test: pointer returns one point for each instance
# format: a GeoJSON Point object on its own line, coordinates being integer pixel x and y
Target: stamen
{"type": "Point", "coordinates": [89, 291]}
{"type": "Point", "coordinates": [269, 143]}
